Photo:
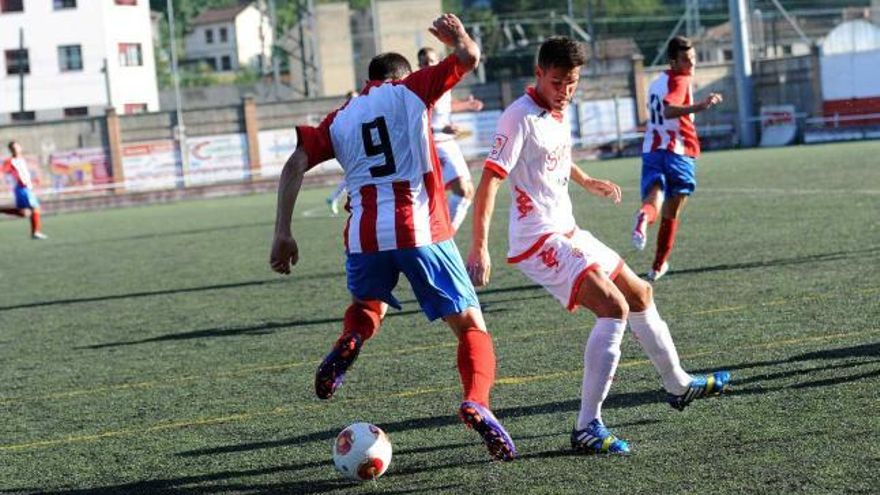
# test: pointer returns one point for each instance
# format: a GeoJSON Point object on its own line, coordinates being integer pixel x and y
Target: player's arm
{"type": "Point", "coordinates": [450, 31]}
{"type": "Point", "coordinates": [604, 188]}
{"type": "Point", "coordinates": [285, 252]}
{"type": "Point", "coordinates": [671, 111]}
{"type": "Point", "coordinates": [471, 104]}
{"type": "Point", "coordinates": [479, 264]}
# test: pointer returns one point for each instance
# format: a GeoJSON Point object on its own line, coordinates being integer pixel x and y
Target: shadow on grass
{"type": "Point", "coordinates": [175, 233]}
{"type": "Point", "coordinates": [271, 327]}
{"type": "Point", "coordinates": [797, 260]}
{"type": "Point", "coordinates": [163, 292]}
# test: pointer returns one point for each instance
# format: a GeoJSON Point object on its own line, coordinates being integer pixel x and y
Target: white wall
{"type": "Point", "coordinates": [851, 75]}
{"type": "Point", "coordinates": [97, 27]}
{"type": "Point", "coordinates": [253, 35]}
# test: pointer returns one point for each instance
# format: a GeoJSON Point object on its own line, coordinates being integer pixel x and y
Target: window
{"type": "Point", "coordinates": [209, 36]}
{"type": "Point", "coordinates": [727, 54]}
{"type": "Point", "coordinates": [786, 50]}
{"type": "Point", "coordinates": [126, 2]}
{"type": "Point", "coordinates": [70, 58]}
{"type": "Point", "coordinates": [76, 111]}
{"type": "Point", "coordinates": [226, 62]}
{"type": "Point", "coordinates": [11, 6]}
{"type": "Point", "coordinates": [135, 108]}
{"type": "Point", "coordinates": [24, 116]}
{"type": "Point", "coordinates": [130, 55]}
{"type": "Point", "coordinates": [224, 36]}
{"type": "Point", "coordinates": [63, 4]}
{"type": "Point", "coordinates": [211, 62]}
{"type": "Point", "coordinates": [17, 62]}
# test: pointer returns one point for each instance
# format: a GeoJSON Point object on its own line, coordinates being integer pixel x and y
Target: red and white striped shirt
{"type": "Point", "coordinates": [18, 169]}
{"type": "Point", "coordinates": [676, 135]}
{"type": "Point", "coordinates": [383, 141]}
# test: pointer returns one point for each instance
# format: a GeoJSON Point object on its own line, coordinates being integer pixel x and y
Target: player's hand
{"type": "Point", "coordinates": [479, 266]}
{"type": "Point", "coordinates": [606, 189]}
{"type": "Point", "coordinates": [474, 104]}
{"type": "Point", "coordinates": [285, 254]}
{"type": "Point", "coordinates": [451, 129]}
{"type": "Point", "coordinates": [448, 29]}
{"type": "Point", "coordinates": [712, 100]}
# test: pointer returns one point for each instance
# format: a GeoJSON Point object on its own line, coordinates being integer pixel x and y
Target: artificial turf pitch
{"type": "Point", "coordinates": [151, 349]}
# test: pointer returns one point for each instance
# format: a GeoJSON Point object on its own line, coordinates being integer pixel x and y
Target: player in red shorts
{"type": "Point", "coordinates": [532, 151]}
{"type": "Point", "coordinates": [669, 152]}
{"type": "Point", "coordinates": [26, 203]}
{"type": "Point", "coordinates": [399, 221]}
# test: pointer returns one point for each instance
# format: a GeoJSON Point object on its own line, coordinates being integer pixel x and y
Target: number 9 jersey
{"type": "Point", "coordinates": [383, 141]}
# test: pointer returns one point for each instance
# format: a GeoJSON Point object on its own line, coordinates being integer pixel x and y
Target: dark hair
{"type": "Point", "coordinates": [424, 51]}
{"type": "Point", "coordinates": [677, 45]}
{"type": "Point", "coordinates": [561, 52]}
{"type": "Point", "coordinates": [389, 66]}
{"type": "Point", "coordinates": [13, 142]}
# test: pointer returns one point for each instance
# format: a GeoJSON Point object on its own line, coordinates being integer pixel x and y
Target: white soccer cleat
{"type": "Point", "coordinates": [39, 236]}
{"type": "Point", "coordinates": [334, 206]}
{"type": "Point", "coordinates": [640, 231]}
{"type": "Point", "coordinates": [653, 276]}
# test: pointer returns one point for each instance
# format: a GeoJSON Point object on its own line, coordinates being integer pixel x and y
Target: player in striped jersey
{"type": "Point", "coordinates": [26, 203]}
{"type": "Point", "coordinates": [532, 151]}
{"type": "Point", "coordinates": [669, 152]}
{"type": "Point", "coordinates": [398, 220]}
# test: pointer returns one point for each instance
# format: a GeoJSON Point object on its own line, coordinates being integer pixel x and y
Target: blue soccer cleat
{"type": "Point", "coordinates": [702, 386]}
{"type": "Point", "coordinates": [497, 440]}
{"type": "Point", "coordinates": [332, 369]}
{"type": "Point", "coordinates": [596, 439]}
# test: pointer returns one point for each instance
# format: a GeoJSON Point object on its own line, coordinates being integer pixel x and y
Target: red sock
{"type": "Point", "coordinates": [665, 241]}
{"type": "Point", "coordinates": [35, 221]}
{"type": "Point", "coordinates": [362, 318]}
{"type": "Point", "coordinates": [12, 211]}
{"type": "Point", "coordinates": [650, 212]}
{"type": "Point", "coordinates": [476, 365]}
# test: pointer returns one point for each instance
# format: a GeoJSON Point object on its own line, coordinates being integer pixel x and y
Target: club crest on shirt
{"type": "Point", "coordinates": [498, 144]}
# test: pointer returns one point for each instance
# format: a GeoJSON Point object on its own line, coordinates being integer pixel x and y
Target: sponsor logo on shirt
{"type": "Point", "coordinates": [524, 203]}
{"type": "Point", "coordinates": [498, 144]}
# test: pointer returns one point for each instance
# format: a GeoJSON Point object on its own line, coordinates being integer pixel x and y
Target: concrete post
{"type": "Point", "coordinates": [114, 140]}
{"type": "Point", "coordinates": [816, 81]}
{"type": "Point", "coordinates": [640, 93]}
{"type": "Point", "coordinates": [251, 129]}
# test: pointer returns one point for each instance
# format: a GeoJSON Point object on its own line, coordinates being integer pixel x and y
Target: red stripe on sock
{"type": "Point", "coordinates": [476, 365]}
{"type": "Point", "coordinates": [650, 212]}
{"type": "Point", "coordinates": [362, 318]}
{"type": "Point", "coordinates": [36, 224]}
{"type": "Point", "coordinates": [665, 241]}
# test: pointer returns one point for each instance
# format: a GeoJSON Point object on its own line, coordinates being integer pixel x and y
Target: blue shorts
{"type": "Point", "coordinates": [436, 273]}
{"type": "Point", "coordinates": [675, 173]}
{"type": "Point", "coordinates": [25, 198]}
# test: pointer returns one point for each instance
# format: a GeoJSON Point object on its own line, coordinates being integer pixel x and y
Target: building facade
{"type": "Point", "coordinates": [75, 58]}
{"type": "Point", "coordinates": [231, 38]}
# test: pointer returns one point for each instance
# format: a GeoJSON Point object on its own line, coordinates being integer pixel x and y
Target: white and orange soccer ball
{"type": "Point", "coordinates": [362, 452]}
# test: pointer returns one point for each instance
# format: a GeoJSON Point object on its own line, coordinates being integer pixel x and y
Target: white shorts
{"type": "Point", "coordinates": [452, 161]}
{"type": "Point", "coordinates": [562, 261]}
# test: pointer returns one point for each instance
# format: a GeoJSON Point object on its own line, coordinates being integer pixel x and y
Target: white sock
{"type": "Point", "coordinates": [340, 189]}
{"type": "Point", "coordinates": [601, 356]}
{"type": "Point", "coordinates": [458, 208]}
{"type": "Point", "coordinates": [653, 335]}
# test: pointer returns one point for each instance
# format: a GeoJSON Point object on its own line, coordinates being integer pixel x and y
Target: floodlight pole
{"type": "Point", "coordinates": [180, 129]}
{"type": "Point", "coordinates": [742, 70]}
{"type": "Point", "coordinates": [20, 57]}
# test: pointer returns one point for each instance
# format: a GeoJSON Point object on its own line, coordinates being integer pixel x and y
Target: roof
{"type": "Point", "coordinates": [223, 14]}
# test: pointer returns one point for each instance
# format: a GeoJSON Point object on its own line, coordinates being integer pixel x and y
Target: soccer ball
{"type": "Point", "coordinates": [362, 452]}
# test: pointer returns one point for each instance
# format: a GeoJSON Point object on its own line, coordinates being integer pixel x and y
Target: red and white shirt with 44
{"type": "Point", "coordinates": [677, 135]}
{"type": "Point", "coordinates": [383, 141]}
{"type": "Point", "coordinates": [532, 148]}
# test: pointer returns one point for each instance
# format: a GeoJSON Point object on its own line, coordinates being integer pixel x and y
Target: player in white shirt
{"type": "Point", "coordinates": [532, 150]}
{"type": "Point", "coordinates": [456, 176]}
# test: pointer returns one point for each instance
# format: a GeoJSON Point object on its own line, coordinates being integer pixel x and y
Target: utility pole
{"type": "Point", "coordinates": [276, 69]}
{"type": "Point", "coordinates": [21, 71]}
{"type": "Point", "coordinates": [180, 129]}
{"type": "Point", "coordinates": [739, 23]}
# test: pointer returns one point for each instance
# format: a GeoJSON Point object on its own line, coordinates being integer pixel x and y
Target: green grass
{"type": "Point", "coordinates": [151, 350]}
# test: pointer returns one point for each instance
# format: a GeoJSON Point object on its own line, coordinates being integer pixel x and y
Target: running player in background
{"type": "Point", "coordinates": [398, 220]}
{"type": "Point", "coordinates": [669, 152]}
{"type": "Point", "coordinates": [333, 199]}
{"type": "Point", "coordinates": [533, 151]}
{"type": "Point", "coordinates": [456, 175]}
{"type": "Point", "coordinates": [26, 203]}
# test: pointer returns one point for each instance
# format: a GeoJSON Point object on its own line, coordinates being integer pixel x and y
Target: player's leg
{"type": "Point", "coordinates": [653, 335]}
{"type": "Point", "coordinates": [17, 212]}
{"type": "Point", "coordinates": [333, 199]}
{"type": "Point", "coordinates": [681, 182]}
{"type": "Point", "coordinates": [457, 178]}
{"type": "Point", "coordinates": [37, 224]}
{"type": "Point", "coordinates": [578, 271]}
{"type": "Point", "coordinates": [652, 198]}
{"type": "Point", "coordinates": [443, 289]}
{"type": "Point", "coordinates": [371, 278]}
